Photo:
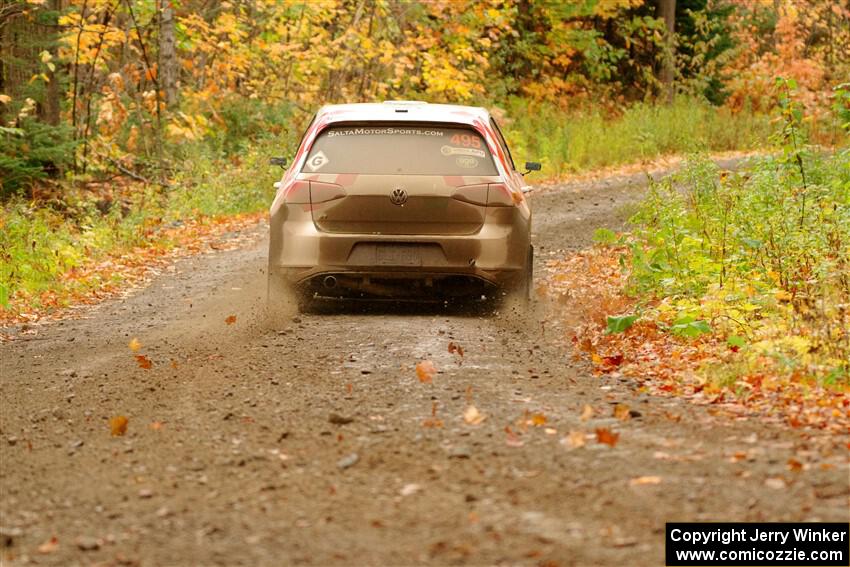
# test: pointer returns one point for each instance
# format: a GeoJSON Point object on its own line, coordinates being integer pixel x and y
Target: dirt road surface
{"type": "Point", "coordinates": [301, 441]}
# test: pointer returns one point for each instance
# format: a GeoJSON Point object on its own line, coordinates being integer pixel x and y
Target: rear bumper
{"type": "Point", "coordinates": [301, 256]}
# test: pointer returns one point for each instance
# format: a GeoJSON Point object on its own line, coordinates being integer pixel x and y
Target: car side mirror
{"type": "Point", "coordinates": [281, 161]}
{"type": "Point", "coordinates": [532, 166]}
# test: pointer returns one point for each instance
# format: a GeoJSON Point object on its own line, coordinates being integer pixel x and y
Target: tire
{"type": "Point", "coordinates": [518, 297]}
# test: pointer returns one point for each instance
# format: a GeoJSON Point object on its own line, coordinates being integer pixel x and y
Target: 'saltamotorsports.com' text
{"type": "Point", "coordinates": [383, 131]}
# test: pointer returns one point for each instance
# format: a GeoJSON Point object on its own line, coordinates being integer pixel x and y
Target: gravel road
{"type": "Point", "coordinates": [310, 440]}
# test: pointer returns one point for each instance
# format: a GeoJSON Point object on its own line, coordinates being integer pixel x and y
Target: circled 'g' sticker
{"type": "Point", "coordinates": [452, 151]}
{"type": "Point", "coordinates": [466, 162]}
{"type": "Point", "coordinates": [318, 161]}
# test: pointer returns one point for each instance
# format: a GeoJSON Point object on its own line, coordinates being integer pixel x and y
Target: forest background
{"type": "Point", "coordinates": [125, 124]}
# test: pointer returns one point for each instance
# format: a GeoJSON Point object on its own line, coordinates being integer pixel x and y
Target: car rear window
{"type": "Point", "coordinates": [400, 150]}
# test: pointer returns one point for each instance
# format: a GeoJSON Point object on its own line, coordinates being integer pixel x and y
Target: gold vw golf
{"type": "Point", "coordinates": [401, 200]}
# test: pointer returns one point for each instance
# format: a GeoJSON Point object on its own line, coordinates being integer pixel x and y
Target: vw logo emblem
{"type": "Point", "coordinates": [398, 196]}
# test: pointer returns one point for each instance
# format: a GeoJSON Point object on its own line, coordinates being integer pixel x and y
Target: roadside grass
{"type": "Point", "coordinates": [49, 247]}
{"type": "Point", "coordinates": [570, 142]}
{"type": "Point", "coordinates": [760, 256]}
{"type": "Point", "coordinates": [730, 288]}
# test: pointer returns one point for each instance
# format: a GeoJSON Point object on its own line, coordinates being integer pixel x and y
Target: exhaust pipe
{"type": "Point", "coordinates": [329, 282]}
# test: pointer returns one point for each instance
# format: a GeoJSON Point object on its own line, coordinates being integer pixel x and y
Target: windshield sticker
{"type": "Point", "coordinates": [450, 151]}
{"type": "Point", "coordinates": [466, 140]}
{"type": "Point", "coordinates": [318, 161]}
{"type": "Point", "coordinates": [466, 162]}
{"type": "Point", "coordinates": [383, 131]}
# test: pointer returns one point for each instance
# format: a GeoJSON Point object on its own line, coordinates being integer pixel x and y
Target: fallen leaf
{"type": "Point", "coordinates": [155, 425]}
{"type": "Point", "coordinates": [425, 371]}
{"type": "Point", "coordinates": [586, 413]}
{"type": "Point", "coordinates": [432, 423]}
{"type": "Point", "coordinates": [512, 439]}
{"type": "Point", "coordinates": [738, 456]}
{"type": "Point", "coordinates": [49, 546]}
{"type": "Point", "coordinates": [174, 364]}
{"type": "Point", "coordinates": [574, 440]}
{"type": "Point", "coordinates": [349, 387]}
{"type": "Point", "coordinates": [455, 348]}
{"type": "Point", "coordinates": [613, 360]}
{"type": "Point", "coordinates": [645, 480]}
{"type": "Point", "coordinates": [230, 320]}
{"type": "Point", "coordinates": [795, 465]}
{"type": "Point", "coordinates": [134, 344]}
{"type": "Point", "coordinates": [621, 412]}
{"type": "Point", "coordinates": [143, 361]}
{"type": "Point", "coordinates": [472, 416]}
{"type": "Point", "coordinates": [118, 425]}
{"type": "Point", "coordinates": [606, 436]}
{"type": "Point", "coordinates": [538, 420]}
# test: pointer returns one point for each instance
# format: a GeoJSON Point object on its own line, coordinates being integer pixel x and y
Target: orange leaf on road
{"type": "Point", "coordinates": [49, 546]}
{"type": "Point", "coordinates": [144, 362]}
{"type": "Point", "coordinates": [538, 420]}
{"type": "Point", "coordinates": [645, 480]}
{"type": "Point", "coordinates": [455, 348]}
{"type": "Point", "coordinates": [425, 371]}
{"type": "Point", "coordinates": [230, 320]}
{"type": "Point", "coordinates": [622, 412]}
{"type": "Point", "coordinates": [118, 425]}
{"type": "Point", "coordinates": [606, 436]}
{"type": "Point", "coordinates": [134, 344]}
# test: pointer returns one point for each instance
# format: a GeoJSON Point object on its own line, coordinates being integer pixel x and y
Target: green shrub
{"type": "Point", "coordinates": [32, 151]}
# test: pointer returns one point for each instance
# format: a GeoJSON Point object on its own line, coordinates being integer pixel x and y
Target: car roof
{"type": "Point", "coordinates": [402, 111]}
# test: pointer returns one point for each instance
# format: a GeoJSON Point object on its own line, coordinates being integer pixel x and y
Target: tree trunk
{"type": "Point", "coordinates": [167, 55]}
{"type": "Point", "coordinates": [667, 12]}
{"type": "Point", "coordinates": [54, 94]}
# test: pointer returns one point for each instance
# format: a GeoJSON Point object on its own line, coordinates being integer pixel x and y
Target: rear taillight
{"type": "Point", "coordinates": [305, 192]}
{"type": "Point", "coordinates": [298, 193]}
{"type": "Point", "coordinates": [323, 192]}
{"type": "Point", "coordinates": [499, 195]}
{"type": "Point", "coordinates": [492, 195]}
{"type": "Point", "coordinates": [475, 194]}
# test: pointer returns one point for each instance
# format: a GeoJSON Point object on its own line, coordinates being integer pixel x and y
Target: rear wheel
{"type": "Point", "coordinates": [518, 297]}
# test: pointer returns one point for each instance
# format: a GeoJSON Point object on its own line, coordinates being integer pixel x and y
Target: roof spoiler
{"type": "Point", "coordinates": [405, 102]}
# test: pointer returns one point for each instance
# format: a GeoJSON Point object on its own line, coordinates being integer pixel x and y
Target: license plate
{"type": "Point", "coordinates": [398, 256]}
